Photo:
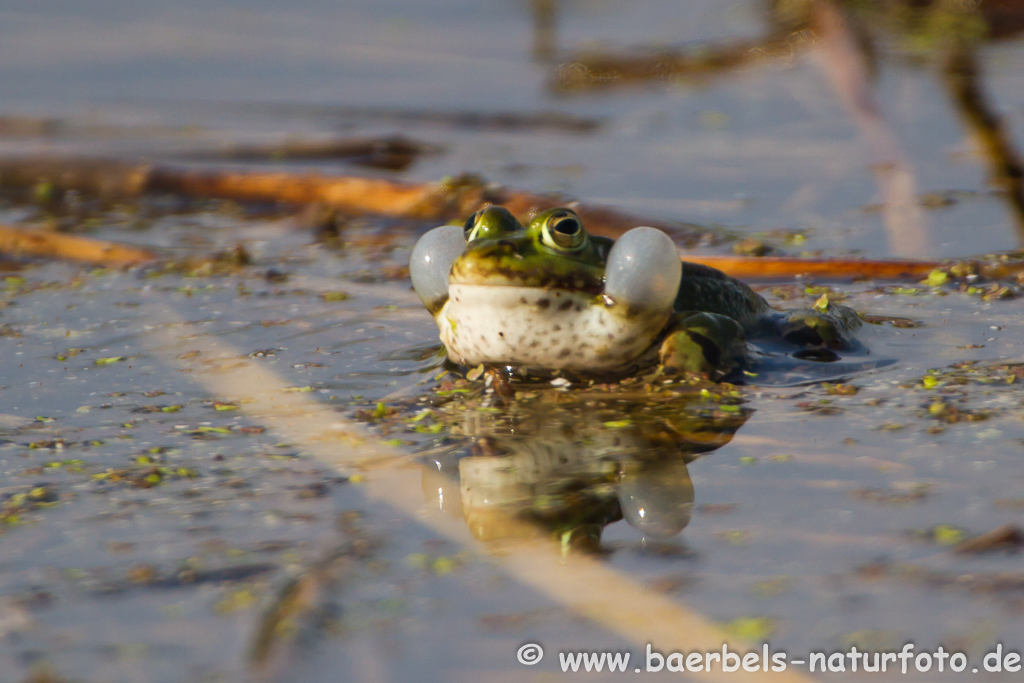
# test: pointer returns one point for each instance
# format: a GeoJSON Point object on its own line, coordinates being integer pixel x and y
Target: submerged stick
{"type": "Point", "coordinates": [34, 242]}
{"type": "Point", "coordinates": [962, 79]}
{"type": "Point", "coordinates": [453, 199]}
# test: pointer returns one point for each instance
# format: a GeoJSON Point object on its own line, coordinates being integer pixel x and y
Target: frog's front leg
{"type": "Point", "coordinates": [704, 343]}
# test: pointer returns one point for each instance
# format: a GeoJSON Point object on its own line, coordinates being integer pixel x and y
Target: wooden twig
{"type": "Point", "coordinates": [441, 202]}
{"type": "Point", "coordinates": [393, 153]}
{"type": "Point", "coordinates": [776, 267]}
{"type": "Point", "coordinates": [459, 119]}
{"type": "Point", "coordinates": [17, 241]}
{"type": "Point", "coordinates": [588, 71]}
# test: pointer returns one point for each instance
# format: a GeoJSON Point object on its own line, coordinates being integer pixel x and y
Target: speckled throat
{"type": "Point", "coordinates": [545, 328]}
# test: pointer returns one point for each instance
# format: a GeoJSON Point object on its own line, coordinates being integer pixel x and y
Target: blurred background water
{"type": "Point", "coordinates": [754, 147]}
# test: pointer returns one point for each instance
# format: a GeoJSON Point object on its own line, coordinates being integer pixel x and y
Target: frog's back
{"type": "Point", "coordinates": [709, 290]}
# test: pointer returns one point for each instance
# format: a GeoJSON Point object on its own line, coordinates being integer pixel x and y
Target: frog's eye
{"type": "Point", "coordinates": [643, 270]}
{"type": "Point", "coordinates": [431, 263]}
{"type": "Point", "coordinates": [564, 232]}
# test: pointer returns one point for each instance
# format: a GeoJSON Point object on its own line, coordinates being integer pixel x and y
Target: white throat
{"type": "Point", "coordinates": [543, 328]}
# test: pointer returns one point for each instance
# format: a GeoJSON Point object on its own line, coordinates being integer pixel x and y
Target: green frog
{"type": "Point", "coordinates": [550, 297]}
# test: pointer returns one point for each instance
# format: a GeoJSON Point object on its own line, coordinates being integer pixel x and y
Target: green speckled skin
{"type": "Point", "coordinates": [708, 290]}
{"type": "Point", "coordinates": [715, 314]}
{"type": "Point", "coordinates": [505, 253]}
{"type": "Point", "coordinates": [515, 260]}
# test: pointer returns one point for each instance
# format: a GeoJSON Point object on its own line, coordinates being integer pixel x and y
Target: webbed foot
{"type": "Point", "coordinates": [830, 326]}
{"type": "Point", "coordinates": [704, 343]}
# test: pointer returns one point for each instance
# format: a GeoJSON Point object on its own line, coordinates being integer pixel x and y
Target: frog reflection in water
{"type": "Point", "coordinates": [562, 464]}
{"type": "Point", "coordinates": [551, 297]}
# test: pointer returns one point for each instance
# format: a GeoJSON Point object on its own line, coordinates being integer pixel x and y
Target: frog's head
{"type": "Point", "coordinates": [553, 252]}
{"type": "Point", "coordinates": [552, 277]}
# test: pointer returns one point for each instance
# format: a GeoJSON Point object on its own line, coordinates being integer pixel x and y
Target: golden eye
{"type": "Point", "coordinates": [563, 231]}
